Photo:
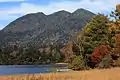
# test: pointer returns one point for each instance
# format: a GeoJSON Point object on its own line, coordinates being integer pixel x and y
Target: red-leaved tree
{"type": "Point", "coordinates": [116, 51]}
{"type": "Point", "coordinates": [99, 52]}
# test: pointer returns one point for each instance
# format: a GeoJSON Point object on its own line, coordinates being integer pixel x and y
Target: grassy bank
{"type": "Point", "coordinates": [103, 74]}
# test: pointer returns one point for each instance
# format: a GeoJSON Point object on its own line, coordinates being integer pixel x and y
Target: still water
{"type": "Point", "coordinates": [28, 69]}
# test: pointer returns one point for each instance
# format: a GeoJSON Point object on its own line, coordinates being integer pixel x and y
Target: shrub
{"type": "Point", "coordinates": [117, 62]}
{"type": "Point", "coordinates": [77, 63]}
{"type": "Point", "coordinates": [106, 62]}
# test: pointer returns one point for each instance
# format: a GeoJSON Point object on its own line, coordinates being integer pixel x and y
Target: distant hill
{"type": "Point", "coordinates": [40, 29]}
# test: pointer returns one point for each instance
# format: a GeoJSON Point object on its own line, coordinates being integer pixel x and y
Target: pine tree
{"type": "Point", "coordinates": [96, 32]}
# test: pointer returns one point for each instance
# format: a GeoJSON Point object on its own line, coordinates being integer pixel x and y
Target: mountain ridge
{"type": "Point", "coordinates": [45, 29]}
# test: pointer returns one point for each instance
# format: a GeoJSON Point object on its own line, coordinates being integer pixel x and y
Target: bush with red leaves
{"type": "Point", "coordinates": [117, 45]}
{"type": "Point", "coordinates": [99, 52]}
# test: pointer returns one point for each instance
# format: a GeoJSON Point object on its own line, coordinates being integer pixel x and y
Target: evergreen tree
{"type": "Point", "coordinates": [96, 32]}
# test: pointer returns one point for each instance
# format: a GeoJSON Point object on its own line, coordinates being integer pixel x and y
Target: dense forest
{"type": "Point", "coordinates": [97, 45]}
{"type": "Point", "coordinates": [15, 55]}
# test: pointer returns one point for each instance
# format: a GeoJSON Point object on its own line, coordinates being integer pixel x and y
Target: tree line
{"type": "Point", "coordinates": [29, 55]}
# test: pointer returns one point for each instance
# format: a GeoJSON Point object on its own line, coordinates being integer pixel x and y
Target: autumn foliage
{"type": "Point", "coordinates": [117, 45]}
{"type": "Point", "coordinates": [67, 51]}
{"type": "Point", "coordinates": [118, 7]}
{"type": "Point", "coordinates": [100, 42]}
{"type": "Point", "coordinates": [99, 52]}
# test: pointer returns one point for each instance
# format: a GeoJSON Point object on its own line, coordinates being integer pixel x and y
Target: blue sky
{"type": "Point", "coordinates": [12, 9]}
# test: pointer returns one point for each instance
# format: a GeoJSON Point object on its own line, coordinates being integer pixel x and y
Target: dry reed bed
{"type": "Point", "coordinates": [104, 74]}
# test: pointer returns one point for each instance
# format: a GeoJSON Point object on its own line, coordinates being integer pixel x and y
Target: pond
{"type": "Point", "coordinates": [29, 69]}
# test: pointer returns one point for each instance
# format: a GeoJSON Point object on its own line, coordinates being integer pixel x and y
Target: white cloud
{"type": "Point", "coordinates": [94, 6]}
{"type": "Point", "coordinates": [11, 0]}
{"type": "Point", "coordinates": [91, 5]}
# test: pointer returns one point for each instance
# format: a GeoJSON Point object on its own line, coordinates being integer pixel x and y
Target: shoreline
{"type": "Point", "coordinates": [94, 74]}
{"type": "Point", "coordinates": [34, 65]}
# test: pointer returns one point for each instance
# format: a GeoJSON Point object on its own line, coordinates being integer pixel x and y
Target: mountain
{"type": "Point", "coordinates": [40, 29]}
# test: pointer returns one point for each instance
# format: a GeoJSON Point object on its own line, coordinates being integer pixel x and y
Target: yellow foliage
{"type": "Point", "coordinates": [118, 7]}
{"type": "Point", "coordinates": [114, 25]}
{"type": "Point", "coordinates": [88, 29]}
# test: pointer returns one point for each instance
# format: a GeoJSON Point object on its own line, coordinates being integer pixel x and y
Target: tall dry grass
{"type": "Point", "coordinates": [104, 74]}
